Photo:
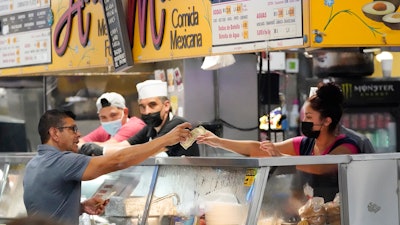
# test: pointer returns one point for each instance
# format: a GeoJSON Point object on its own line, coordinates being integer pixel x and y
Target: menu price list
{"type": "Point", "coordinates": [14, 6]}
{"type": "Point", "coordinates": [25, 36]}
{"type": "Point", "coordinates": [25, 49]}
{"type": "Point", "coordinates": [240, 23]}
{"type": "Point", "coordinates": [118, 35]}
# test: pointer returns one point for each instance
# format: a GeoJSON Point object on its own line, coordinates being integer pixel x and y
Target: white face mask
{"type": "Point", "coordinates": [112, 127]}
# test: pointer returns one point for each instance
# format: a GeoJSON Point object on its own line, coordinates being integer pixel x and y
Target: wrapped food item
{"type": "Point", "coordinates": [313, 211]}
{"type": "Point", "coordinates": [333, 211]}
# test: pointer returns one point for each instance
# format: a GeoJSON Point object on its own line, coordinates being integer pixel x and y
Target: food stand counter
{"type": "Point", "coordinates": [242, 190]}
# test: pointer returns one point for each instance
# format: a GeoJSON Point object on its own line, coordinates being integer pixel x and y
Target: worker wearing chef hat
{"type": "Point", "coordinates": [155, 110]}
{"type": "Point", "coordinates": [151, 89]}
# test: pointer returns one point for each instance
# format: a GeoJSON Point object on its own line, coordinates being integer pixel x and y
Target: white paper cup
{"type": "Point", "coordinates": [387, 67]}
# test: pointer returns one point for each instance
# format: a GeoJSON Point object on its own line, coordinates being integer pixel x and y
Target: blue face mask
{"type": "Point", "coordinates": [112, 127]}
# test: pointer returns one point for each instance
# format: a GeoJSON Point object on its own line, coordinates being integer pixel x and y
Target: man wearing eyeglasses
{"type": "Point", "coordinates": [116, 126]}
{"type": "Point", "coordinates": [52, 181]}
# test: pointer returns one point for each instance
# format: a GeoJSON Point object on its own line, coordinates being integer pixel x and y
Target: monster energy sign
{"type": "Point", "coordinates": [367, 92]}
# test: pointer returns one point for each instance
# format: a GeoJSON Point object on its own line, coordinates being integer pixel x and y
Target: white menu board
{"type": "Point", "coordinates": [250, 25]}
{"type": "Point", "coordinates": [25, 36]}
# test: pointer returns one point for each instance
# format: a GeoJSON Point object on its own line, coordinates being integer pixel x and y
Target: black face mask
{"type": "Point", "coordinates": [152, 119]}
{"type": "Point", "coordinates": [307, 130]}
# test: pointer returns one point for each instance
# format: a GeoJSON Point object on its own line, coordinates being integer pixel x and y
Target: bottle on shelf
{"type": "Point", "coordinates": [284, 120]}
{"type": "Point", "coordinates": [381, 135]}
{"type": "Point", "coordinates": [294, 118]}
{"type": "Point", "coordinates": [391, 128]}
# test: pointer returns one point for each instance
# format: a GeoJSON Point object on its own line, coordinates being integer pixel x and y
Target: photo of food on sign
{"type": "Point", "coordinates": [377, 22]}
{"type": "Point", "coordinates": [384, 11]}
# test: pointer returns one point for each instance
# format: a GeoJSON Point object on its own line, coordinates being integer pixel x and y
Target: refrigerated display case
{"type": "Point", "coordinates": [378, 125]}
{"type": "Point", "coordinates": [242, 190]}
{"type": "Point", "coordinates": [372, 107]}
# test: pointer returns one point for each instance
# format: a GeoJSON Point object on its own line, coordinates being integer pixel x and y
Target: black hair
{"type": "Point", "coordinates": [52, 118]}
{"type": "Point", "coordinates": [163, 100]}
{"type": "Point", "coordinates": [328, 101]}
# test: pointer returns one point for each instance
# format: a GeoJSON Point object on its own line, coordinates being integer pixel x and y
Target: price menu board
{"type": "Point", "coordinates": [25, 33]}
{"type": "Point", "coordinates": [118, 34]}
{"type": "Point", "coordinates": [251, 25]}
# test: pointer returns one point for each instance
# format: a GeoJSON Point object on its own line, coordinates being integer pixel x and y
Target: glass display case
{"type": "Point", "coordinates": [186, 191]}
{"type": "Point", "coordinates": [12, 170]}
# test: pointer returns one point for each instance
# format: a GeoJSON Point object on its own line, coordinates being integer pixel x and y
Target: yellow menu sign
{"type": "Point", "coordinates": [167, 30]}
{"type": "Point", "coordinates": [78, 39]}
{"type": "Point", "coordinates": [361, 23]}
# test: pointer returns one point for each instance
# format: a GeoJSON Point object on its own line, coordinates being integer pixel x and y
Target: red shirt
{"type": "Point", "coordinates": [297, 141]}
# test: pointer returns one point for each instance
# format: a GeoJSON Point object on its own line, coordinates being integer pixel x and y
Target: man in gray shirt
{"type": "Point", "coordinates": [52, 180]}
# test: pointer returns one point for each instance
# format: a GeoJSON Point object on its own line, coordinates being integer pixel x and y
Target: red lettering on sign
{"type": "Point", "coordinates": [157, 36]}
{"type": "Point", "coordinates": [65, 22]}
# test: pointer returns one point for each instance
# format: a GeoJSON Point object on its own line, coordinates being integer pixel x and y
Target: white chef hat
{"type": "Point", "coordinates": [110, 99]}
{"type": "Point", "coordinates": [152, 88]}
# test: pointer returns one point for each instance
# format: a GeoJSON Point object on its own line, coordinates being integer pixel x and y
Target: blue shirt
{"type": "Point", "coordinates": [52, 184]}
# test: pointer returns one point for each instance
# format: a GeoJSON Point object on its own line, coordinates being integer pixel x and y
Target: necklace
{"type": "Point", "coordinates": [322, 149]}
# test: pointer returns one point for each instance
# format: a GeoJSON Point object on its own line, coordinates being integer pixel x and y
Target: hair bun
{"type": "Point", "coordinates": [330, 93]}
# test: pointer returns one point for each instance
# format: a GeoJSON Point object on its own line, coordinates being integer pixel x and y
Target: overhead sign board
{"type": "Point", "coordinates": [25, 33]}
{"type": "Point", "coordinates": [365, 91]}
{"type": "Point", "coordinates": [165, 30]}
{"type": "Point", "coordinates": [253, 25]}
{"type": "Point", "coordinates": [72, 37]}
{"type": "Point", "coordinates": [361, 23]}
{"type": "Point", "coordinates": [118, 34]}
